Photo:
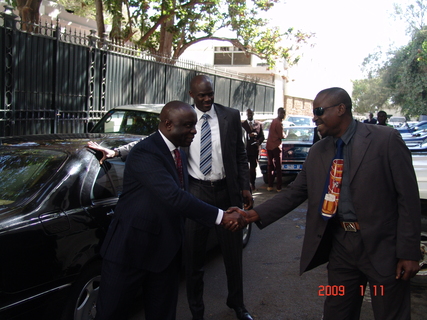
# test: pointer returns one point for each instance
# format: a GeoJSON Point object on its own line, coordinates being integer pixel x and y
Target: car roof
{"type": "Point", "coordinates": [66, 142]}
{"type": "Point", "coordinates": [156, 108]}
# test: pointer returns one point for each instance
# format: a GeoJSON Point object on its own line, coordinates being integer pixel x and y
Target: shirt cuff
{"type": "Point", "coordinates": [219, 217]}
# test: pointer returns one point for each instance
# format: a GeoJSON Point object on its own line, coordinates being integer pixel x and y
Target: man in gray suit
{"type": "Point", "coordinates": [374, 236]}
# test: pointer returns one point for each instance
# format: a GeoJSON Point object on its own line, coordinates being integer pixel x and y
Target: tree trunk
{"type": "Point", "coordinates": [29, 13]}
{"type": "Point", "coordinates": [166, 38]}
{"type": "Point", "coordinates": [100, 18]}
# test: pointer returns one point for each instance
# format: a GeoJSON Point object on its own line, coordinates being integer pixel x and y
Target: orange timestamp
{"type": "Point", "coordinates": [334, 290]}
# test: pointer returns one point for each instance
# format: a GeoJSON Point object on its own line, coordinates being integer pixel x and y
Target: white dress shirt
{"type": "Point", "coordinates": [172, 147]}
{"type": "Point", "coordinates": [217, 172]}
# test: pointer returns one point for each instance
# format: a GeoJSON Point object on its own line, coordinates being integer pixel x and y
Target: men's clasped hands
{"type": "Point", "coordinates": [234, 219]}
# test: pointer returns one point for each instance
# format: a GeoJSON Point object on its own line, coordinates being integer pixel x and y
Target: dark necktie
{"type": "Point", "coordinates": [205, 146]}
{"type": "Point", "coordinates": [178, 162]}
{"type": "Point", "coordinates": [331, 193]}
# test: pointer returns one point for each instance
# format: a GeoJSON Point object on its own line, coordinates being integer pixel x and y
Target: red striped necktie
{"type": "Point", "coordinates": [178, 162]}
{"type": "Point", "coordinates": [331, 194]}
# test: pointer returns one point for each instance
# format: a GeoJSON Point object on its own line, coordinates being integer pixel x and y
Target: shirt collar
{"type": "Point", "coordinates": [170, 145]}
{"type": "Point", "coordinates": [211, 112]}
{"type": "Point", "coordinates": [348, 135]}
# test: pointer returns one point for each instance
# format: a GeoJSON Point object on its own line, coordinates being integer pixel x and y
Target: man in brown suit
{"type": "Point", "coordinates": [375, 234]}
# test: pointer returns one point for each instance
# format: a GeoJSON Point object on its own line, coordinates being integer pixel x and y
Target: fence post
{"type": "Point", "coordinates": [9, 20]}
{"type": "Point", "coordinates": [93, 114]}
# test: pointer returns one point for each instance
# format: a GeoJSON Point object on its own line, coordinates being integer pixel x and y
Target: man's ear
{"type": "Point", "coordinates": [168, 124]}
{"type": "Point", "coordinates": [342, 109]}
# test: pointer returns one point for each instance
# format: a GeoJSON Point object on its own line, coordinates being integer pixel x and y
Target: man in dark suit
{"type": "Point", "coordinates": [254, 138]}
{"type": "Point", "coordinates": [374, 236]}
{"type": "Point", "coordinates": [371, 119]}
{"type": "Point", "coordinates": [144, 240]}
{"type": "Point", "coordinates": [223, 186]}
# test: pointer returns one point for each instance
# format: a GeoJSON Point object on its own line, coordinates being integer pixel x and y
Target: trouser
{"type": "Point", "coordinates": [120, 284]}
{"type": "Point", "coordinates": [253, 162]}
{"type": "Point", "coordinates": [349, 270]}
{"type": "Point", "coordinates": [274, 165]}
{"type": "Point", "coordinates": [196, 236]}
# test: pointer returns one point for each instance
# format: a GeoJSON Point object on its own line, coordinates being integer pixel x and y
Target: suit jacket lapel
{"type": "Point", "coordinates": [160, 143]}
{"type": "Point", "coordinates": [361, 142]}
{"type": "Point", "coordinates": [223, 126]}
{"type": "Point", "coordinates": [326, 156]}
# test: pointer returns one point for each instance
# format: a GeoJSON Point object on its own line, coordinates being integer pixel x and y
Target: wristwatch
{"type": "Point", "coordinates": [117, 150]}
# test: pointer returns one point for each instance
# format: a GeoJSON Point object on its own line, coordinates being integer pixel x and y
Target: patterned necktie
{"type": "Point", "coordinates": [205, 147]}
{"type": "Point", "coordinates": [178, 162]}
{"type": "Point", "coordinates": [331, 193]}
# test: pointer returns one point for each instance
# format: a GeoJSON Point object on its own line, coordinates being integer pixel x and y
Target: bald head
{"type": "Point", "coordinates": [201, 90]}
{"type": "Point", "coordinates": [178, 123]}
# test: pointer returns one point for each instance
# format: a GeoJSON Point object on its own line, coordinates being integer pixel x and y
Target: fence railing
{"type": "Point", "coordinates": [56, 80]}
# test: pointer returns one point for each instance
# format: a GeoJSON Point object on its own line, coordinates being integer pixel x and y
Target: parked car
{"type": "Point", "coordinates": [410, 127]}
{"type": "Point", "coordinates": [396, 122]}
{"type": "Point", "coordinates": [267, 123]}
{"type": "Point", "coordinates": [416, 141]}
{"type": "Point", "coordinates": [295, 148]}
{"type": "Point", "coordinates": [301, 120]}
{"type": "Point", "coordinates": [56, 202]}
{"type": "Point", "coordinates": [420, 165]}
{"type": "Point", "coordinates": [141, 119]}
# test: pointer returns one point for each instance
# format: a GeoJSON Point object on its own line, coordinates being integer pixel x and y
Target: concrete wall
{"type": "Point", "coordinates": [298, 106]}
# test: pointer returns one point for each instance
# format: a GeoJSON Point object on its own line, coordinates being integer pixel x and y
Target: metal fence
{"type": "Point", "coordinates": [56, 81]}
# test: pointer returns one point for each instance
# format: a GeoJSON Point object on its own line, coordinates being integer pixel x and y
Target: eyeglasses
{"type": "Point", "coordinates": [319, 111]}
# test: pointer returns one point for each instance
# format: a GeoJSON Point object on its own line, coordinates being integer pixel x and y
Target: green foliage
{"type": "Point", "coordinates": [167, 28]}
{"type": "Point", "coordinates": [369, 95]}
{"type": "Point", "coordinates": [406, 76]}
{"type": "Point", "coordinates": [401, 78]}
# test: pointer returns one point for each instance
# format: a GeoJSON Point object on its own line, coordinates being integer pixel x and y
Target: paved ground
{"type": "Point", "coordinates": [273, 288]}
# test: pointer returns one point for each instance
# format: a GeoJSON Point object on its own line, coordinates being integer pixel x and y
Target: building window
{"type": "Point", "coordinates": [230, 56]}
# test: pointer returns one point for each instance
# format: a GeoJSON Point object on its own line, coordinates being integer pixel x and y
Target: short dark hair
{"type": "Point", "coordinates": [340, 95]}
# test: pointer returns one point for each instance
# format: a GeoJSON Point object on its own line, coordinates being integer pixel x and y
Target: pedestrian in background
{"type": "Point", "coordinates": [371, 119]}
{"type": "Point", "coordinates": [254, 137]}
{"type": "Point", "coordinates": [274, 151]}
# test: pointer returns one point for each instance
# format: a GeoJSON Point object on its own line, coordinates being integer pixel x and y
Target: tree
{"type": "Point", "coordinates": [28, 12]}
{"type": "Point", "coordinates": [400, 74]}
{"type": "Point", "coordinates": [168, 27]}
{"type": "Point", "coordinates": [405, 75]}
{"type": "Point", "coordinates": [369, 95]}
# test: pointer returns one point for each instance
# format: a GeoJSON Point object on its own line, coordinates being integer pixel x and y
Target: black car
{"type": "Point", "coordinates": [295, 148]}
{"type": "Point", "coordinates": [56, 202]}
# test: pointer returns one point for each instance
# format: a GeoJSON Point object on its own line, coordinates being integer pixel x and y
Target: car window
{"type": "Point", "coordinates": [109, 182]}
{"type": "Point", "coordinates": [126, 121]}
{"type": "Point", "coordinates": [299, 134]}
{"type": "Point", "coordinates": [23, 172]}
{"type": "Point", "coordinates": [300, 121]}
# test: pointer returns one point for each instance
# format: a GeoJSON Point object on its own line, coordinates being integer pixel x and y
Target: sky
{"type": "Point", "coordinates": [346, 31]}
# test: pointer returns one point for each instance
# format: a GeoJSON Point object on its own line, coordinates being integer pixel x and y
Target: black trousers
{"type": "Point", "coordinates": [349, 271]}
{"type": "Point", "coordinates": [196, 236]}
{"type": "Point", "coordinates": [120, 284]}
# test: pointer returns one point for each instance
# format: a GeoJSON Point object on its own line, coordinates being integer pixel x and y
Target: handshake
{"type": "Point", "coordinates": [235, 218]}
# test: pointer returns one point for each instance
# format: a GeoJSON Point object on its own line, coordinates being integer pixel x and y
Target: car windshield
{"type": "Point", "coordinates": [300, 121]}
{"type": "Point", "coordinates": [24, 171]}
{"type": "Point", "coordinates": [299, 134]}
{"type": "Point", "coordinates": [126, 121]}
